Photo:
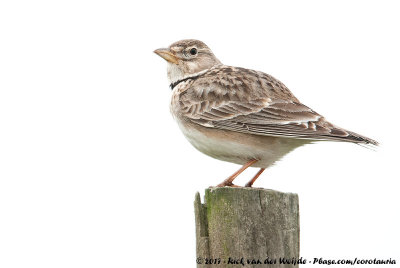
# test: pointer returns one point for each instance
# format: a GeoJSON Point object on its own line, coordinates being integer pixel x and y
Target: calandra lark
{"type": "Point", "coordinates": [240, 115]}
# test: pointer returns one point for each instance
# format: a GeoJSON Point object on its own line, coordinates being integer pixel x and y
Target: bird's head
{"type": "Point", "coordinates": [186, 58]}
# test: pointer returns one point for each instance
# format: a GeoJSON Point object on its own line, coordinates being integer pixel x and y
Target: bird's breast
{"type": "Point", "coordinates": [175, 105]}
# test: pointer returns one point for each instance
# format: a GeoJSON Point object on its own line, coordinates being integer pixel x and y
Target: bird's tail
{"type": "Point", "coordinates": [360, 139]}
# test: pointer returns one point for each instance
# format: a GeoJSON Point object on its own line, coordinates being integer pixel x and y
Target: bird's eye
{"type": "Point", "coordinates": [193, 51]}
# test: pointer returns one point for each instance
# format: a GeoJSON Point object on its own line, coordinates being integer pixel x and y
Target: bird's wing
{"type": "Point", "coordinates": [256, 103]}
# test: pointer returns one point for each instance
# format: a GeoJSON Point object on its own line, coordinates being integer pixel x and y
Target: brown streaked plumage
{"type": "Point", "coordinates": [240, 115]}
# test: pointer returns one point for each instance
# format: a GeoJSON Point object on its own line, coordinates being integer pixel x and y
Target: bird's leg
{"type": "Point", "coordinates": [250, 183]}
{"type": "Point", "coordinates": [228, 181]}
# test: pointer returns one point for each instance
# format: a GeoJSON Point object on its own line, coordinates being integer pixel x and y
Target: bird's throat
{"type": "Point", "coordinates": [174, 73]}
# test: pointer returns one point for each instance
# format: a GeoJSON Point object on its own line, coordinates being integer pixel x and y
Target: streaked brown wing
{"type": "Point", "coordinates": [287, 119]}
{"type": "Point", "coordinates": [255, 103]}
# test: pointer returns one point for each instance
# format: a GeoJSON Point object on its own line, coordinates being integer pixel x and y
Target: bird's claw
{"type": "Point", "coordinates": [228, 184]}
{"type": "Point", "coordinates": [249, 185]}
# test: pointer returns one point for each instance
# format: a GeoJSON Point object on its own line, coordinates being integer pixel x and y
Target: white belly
{"type": "Point", "coordinates": [237, 147]}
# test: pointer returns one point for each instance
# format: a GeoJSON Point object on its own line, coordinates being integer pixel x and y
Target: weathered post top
{"type": "Point", "coordinates": [251, 226]}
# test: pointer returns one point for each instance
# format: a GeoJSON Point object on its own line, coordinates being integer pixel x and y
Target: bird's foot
{"type": "Point", "coordinates": [249, 184]}
{"type": "Point", "coordinates": [227, 183]}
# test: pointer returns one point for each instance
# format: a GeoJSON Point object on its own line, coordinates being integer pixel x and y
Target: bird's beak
{"type": "Point", "coordinates": [167, 55]}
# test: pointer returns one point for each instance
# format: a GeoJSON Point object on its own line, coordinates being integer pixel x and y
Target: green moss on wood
{"type": "Point", "coordinates": [249, 223]}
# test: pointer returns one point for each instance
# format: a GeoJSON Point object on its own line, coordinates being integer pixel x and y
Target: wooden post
{"type": "Point", "coordinates": [252, 227]}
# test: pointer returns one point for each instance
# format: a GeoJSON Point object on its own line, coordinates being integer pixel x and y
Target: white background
{"type": "Point", "coordinates": [94, 172]}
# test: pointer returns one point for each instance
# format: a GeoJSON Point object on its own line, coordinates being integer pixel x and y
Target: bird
{"type": "Point", "coordinates": [239, 115]}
